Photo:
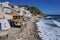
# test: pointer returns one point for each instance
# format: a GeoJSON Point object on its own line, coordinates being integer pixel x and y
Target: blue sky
{"type": "Point", "coordinates": [49, 7]}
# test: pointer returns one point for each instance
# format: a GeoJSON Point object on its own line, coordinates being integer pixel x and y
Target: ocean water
{"type": "Point", "coordinates": [49, 28]}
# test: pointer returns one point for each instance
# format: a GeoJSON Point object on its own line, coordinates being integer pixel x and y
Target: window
{"type": "Point", "coordinates": [0, 4]}
{"type": "Point", "coordinates": [38, 13]}
{"type": "Point", "coordinates": [11, 5]}
{"type": "Point", "coordinates": [7, 13]}
{"type": "Point", "coordinates": [31, 12]}
{"type": "Point", "coordinates": [18, 11]}
{"type": "Point", "coordinates": [16, 17]}
{"type": "Point", "coordinates": [24, 12]}
{"type": "Point", "coordinates": [15, 23]}
{"type": "Point", "coordinates": [0, 25]}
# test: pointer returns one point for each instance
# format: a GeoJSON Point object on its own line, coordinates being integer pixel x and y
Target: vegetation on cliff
{"type": "Point", "coordinates": [34, 10]}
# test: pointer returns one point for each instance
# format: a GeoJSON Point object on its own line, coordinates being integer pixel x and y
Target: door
{"type": "Point", "coordinates": [0, 25]}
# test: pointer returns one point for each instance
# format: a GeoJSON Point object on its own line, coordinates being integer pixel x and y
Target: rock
{"type": "Point", "coordinates": [3, 35]}
{"type": "Point", "coordinates": [12, 36]}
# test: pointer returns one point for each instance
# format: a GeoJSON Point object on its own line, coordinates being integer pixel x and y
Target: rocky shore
{"type": "Point", "coordinates": [30, 31]}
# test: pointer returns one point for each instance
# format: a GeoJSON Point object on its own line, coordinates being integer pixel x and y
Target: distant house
{"type": "Point", "coordinates": [6, 9]}
{"type": "Point", "coordinates": [4, 13]}
{"type": "Point", "coordinates": [16, 8]}
{"type": "Point", "coordinates": [6, 4]}
{"type": "Point", "coordinates": [28, 14]}
{"type": "Point", "coordinates": [24, 12]}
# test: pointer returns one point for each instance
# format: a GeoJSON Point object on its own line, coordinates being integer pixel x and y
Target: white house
{"type": "Point", "coordinates": [28, 14]}
{"type": "Point", "coordinates": [5, 4]}
{"type": "Point", "coordinates": [22, 11]}
{"type": "Point", "coordinates": [4, 13]}
{"type": "Point", "coordinates": [25, 12]}
{"type": "Point", "coordinates": [4, 24]}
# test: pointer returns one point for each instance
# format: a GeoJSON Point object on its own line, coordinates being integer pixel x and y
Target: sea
{"type": "Point", "coordinates": [49, 27]}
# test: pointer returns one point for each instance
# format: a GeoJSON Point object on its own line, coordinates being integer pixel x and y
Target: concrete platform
{"type": "Point", "coordinates": [3, 33]}
{"type": "Point", "coordinates": [11, 30]}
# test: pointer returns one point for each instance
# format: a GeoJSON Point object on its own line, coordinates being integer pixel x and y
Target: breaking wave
{"type": "Point", "coordinates": [49, 29]}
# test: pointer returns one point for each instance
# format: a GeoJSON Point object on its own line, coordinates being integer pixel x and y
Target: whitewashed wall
{"type": "Point", "coordinates": [6, 10]}
{"type": "Point", "coordinates": [8, 16]}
